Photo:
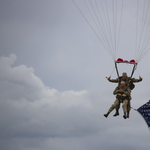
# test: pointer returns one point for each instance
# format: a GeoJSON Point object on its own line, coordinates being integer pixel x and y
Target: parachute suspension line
{"type": "Point", "coordinates": [144, 38]}
{"type": "Point", "coordinates": [115, 25]}
{"type": "Point", "coordinates": [103, 28]}
{"type": "Point", "coordinates": [141, 51]}
{"type": "Point", "coordinates": [102, 24]}
{"type": "Point", "coordinates": [116, 18]}
{"type": "Point", "coordinates": [109, 27]}
{"type": "Point", "coordinates": [113, 32]}
{"type": "Point", "coordinates": [136, 29]}
{"type": "Point", "coordinates": [90, 26]}
{"type": "Point", "coordinates": [106, 17]}
{"type": "Point", "coordinates": [147, 30]}
{"type": "Point", "coordinates": [146, 42]}
{"type": "Point", "coordinates": [92, 16]}
{"type": "Point", "coordinates": [103, 31]}
{"type": "Point", "coordinates": [146, 45]}
{"type": "Point", "coordinates": [140, 38]}
{"type": "Point", "coordinates": [104, 41]}
{"type": "Point", "coordinates": [120, 24]}
{"type": "Point", "coordinates": [114, 22]}
{"type": "Point", "coordinates": [146, 52]}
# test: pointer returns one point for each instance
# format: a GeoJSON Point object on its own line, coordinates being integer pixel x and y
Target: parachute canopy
{"type": "Point", "coordinates": [144, 110]}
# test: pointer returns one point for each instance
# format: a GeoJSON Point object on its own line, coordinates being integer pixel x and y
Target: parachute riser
{"type": "Point", "coordinates": [117, 70]}
{"type": "Point", "coordinates": [134, 68]}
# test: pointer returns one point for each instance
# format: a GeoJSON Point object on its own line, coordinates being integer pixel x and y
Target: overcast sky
{"type": "Point", "coordinates": [53, 90]}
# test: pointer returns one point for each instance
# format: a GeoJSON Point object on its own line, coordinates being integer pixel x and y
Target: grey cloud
{"type": "Point", "coordinates": [53, 94]}
{"type": "Point", "coordinates": [48, 118]}
{"type": "Point", "coordinates": [43, 113]}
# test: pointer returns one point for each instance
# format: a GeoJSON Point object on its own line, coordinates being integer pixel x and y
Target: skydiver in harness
{"type": "Point", "coordinates": [128, 82]}
{"type": "Point", "coordinates": [122, 93]}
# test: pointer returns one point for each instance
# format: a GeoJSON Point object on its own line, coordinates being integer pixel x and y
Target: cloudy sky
{"type": "Point", "coordinates": [53, 90]}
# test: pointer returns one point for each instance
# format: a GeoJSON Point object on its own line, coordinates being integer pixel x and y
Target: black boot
{"type": "Point", "coordinates": [124, 116]}
{"type": "Point", "coordinates": [106, 115]}
{"type": "Point", "coordinates": [128, 114]}
{"type": "Point", "coordinates": [117, 113]}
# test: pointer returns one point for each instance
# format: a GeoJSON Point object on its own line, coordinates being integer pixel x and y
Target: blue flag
{"type": "Point", "coordinates": [144, 110]}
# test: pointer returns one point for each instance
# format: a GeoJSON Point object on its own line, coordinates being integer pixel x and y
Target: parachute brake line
{"type": "Point", "coordinates": [134, 68]}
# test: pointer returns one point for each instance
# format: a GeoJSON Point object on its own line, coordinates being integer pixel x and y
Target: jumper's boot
{"type": "Point", "coordinates": [124, 116]}
{"type": "Point", "coordinates": [106, 115]}
{"type": "Point", "coordinates": [128, 113]}
{"type": "Point", "coordinates": [117, 113]}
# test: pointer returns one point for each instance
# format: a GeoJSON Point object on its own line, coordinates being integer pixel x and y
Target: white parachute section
{"type": "Point", "coordinates": [106, 17]}
{"type": "Point", "coordinates": [142, 43]}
